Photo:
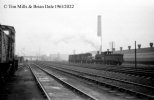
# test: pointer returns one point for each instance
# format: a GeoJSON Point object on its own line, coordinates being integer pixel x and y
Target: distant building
{"type": "Point", "coordinates": [58, 57]}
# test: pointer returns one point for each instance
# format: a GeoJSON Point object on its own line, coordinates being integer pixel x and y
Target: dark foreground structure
{"type": "Point", "coordinates": [21, 86]}
{"type": "Point", "coordinates": [8, 63]}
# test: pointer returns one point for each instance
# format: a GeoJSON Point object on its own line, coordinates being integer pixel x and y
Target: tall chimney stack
{"type": "Point", "coordinates": [99, 26]}
{"type": "Point", "coordinates": [99, 30]}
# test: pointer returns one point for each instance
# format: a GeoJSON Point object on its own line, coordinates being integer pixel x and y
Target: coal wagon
{"type": "Point", "coordinates": [80, 58]}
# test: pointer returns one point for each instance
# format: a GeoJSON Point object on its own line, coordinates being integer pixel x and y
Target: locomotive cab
{"type": "Point", "coordinates": [108, 58]}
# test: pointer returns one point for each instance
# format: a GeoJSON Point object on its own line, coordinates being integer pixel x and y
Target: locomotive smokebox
{"type": "Point", "coordinates": [113, 49]}
{"type": "Point", "coordinates": [120, 48]}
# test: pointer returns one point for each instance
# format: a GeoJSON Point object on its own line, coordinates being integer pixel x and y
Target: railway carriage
{"type": "Point", "coordinates": [8, 63]}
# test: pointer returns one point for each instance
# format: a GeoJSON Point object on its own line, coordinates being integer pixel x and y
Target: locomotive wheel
{"type": "Point", "coordinates": [107, 62]}
{"type": "Point", "coordinates": [120, 63]}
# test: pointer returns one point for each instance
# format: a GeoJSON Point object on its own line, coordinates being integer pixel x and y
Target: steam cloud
{"type": "Point", "coordinates": [90, 42]}
{"type": "Point", "coordinates": [83, 39]}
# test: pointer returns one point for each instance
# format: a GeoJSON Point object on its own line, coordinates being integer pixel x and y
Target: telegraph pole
{"type": "Point", "coordinates": [135, 56]}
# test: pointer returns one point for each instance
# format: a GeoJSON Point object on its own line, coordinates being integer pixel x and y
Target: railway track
{"type": "Point", "coordinates": [141, 71]}
{"type": "Point", "coordinates": [55, 87]}
{"type": "Point", "coordinates": [120, 83]}
{"type": "Point", "coordinates": [113, 75]}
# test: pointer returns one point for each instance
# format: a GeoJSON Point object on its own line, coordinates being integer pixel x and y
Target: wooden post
{"type": "Point", "coordinates": [135, 56]}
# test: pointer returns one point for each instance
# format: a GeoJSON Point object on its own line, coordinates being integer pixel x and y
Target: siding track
{"type": "Point", "coordinates": [56, 88]}
{"type": "Point", "coordinates": [107, 78]}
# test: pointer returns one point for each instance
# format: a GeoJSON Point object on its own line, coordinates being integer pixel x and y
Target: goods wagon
{"type": "Point", "coordinates": [81, 58]}
{"type": "Point", "coordinates": [103, 58]}
{"type": "Point", "coordinates": [8, 63]}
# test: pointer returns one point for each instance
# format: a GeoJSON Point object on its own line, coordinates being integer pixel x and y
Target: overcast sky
{"type": "Point", "coordinates": [62, 30]}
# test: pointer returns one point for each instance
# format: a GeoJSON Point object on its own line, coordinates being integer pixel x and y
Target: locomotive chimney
{"type": "Point", "coordinates": [107, 49]}
{"type": "Point", "coordinates": [129, 47]}
{"type": "Point", "coordinates": [120, 48]}
{"type": "Point", "coordinates": [113, 49]}
{"type": "Point", "coordinates": [97, 52]}
{"type": "Point", "coordinates": [151, 44]}
{"type": "Point", "coordinates": [139, 46]}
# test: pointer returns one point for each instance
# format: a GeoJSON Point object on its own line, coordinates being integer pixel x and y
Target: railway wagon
{"type": "Point", "coordinates": [80, 58]}
{"type": "Point", "coordinates": [8, 63]}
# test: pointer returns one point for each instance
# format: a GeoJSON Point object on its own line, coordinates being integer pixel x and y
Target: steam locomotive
{"type": "Point", "coordinates": [102, 58]}
{"type": "Point", "coordinates": [8, 61]}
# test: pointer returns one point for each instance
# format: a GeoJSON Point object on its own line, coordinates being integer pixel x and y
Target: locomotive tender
{"type": "Point", "coordinates": [103, 58]}
{"type": "Point", "coordinates": [8, 63]}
